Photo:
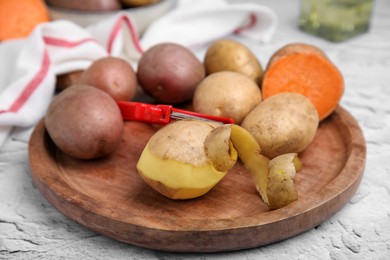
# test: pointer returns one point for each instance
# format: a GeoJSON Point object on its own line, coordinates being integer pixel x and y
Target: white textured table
{"type": "Point", "coordinates": [31, 228]}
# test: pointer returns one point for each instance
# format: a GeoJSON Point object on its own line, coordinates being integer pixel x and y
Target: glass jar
{"type": "Point", "coordinates": [335, 20]}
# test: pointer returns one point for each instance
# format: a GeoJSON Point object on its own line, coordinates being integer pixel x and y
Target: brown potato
{"type": "Point", "coordinates": [84, 122]}
{"type": "Point", "coordinates": [68, 79]}
{"type": "Point", "coordinates": [87, 5]}
{"type": "Point", "coordinates": [230, 55]}
{"type": "Point", "coordinates": [227, 94]}
{"type": "Point", "coordinates": [113, 75]}
{"type": "Point", "coordinates": [170, 73]}
{"type": "Point", "coordinates": [175, 163]}
{"type": "Point", "coordinates": [135, 3]}
{"type": "Point", "coordinates": [284, 123]}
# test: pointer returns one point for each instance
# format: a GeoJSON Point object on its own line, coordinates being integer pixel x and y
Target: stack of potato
{"type": "Point", "coordinates": [276, 112]}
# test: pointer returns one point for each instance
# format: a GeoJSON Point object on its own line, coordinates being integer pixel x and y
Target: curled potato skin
{"type": "Point", "coordinates": [281, 190]}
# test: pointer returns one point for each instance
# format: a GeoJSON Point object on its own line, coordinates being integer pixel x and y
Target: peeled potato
{"type": "Point", "coordinates": [175, 163]}
{"type": "Point", "coordinates": [187, 158]}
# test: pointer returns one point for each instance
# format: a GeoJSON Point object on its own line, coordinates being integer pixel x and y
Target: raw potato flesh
{"type": "Point", "coordinates": [175, 163]}
{"type": "Point", "coordinates": [187, 158]}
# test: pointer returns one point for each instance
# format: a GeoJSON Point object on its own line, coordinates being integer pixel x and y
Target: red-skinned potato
{"type": "Point", "coordinates": [112, 75]}
{"type": "Point", "coordinates": [66, 80]}
{"type": "Point", "coordinates": [84, 122]}
{"type": "Point", "coordinates": [87, 5]}
{"type": "Point", "coordinates": [170, 73]}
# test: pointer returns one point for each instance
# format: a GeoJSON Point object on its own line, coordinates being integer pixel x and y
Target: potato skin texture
{"type": "Point", "coordinates": [170, 73]}
{"type": "Point", "coordinates": [68, 79]}
{"type": "Point", "coordinates": [284, 123]}
{"type": "Point", "coordinates": [84, 122]}
{"type": "Point", "coordinates": [132, 3]}
{"type": "Point", "coordinates": [229, 55]}
{"type": "Point", "coordinates": [112, 75]}
{"type": "Point", "coordinates": [182, 141]}
{"type": "Point", "coordinates": [227, 94]}
{"type": "Point", "coordinates": [87, 5]}
{"type": "Point", "coordinates": [174, 161]}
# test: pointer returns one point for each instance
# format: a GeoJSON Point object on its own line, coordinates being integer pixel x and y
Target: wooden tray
{"type": "Point", "coordinates": [108, 196]}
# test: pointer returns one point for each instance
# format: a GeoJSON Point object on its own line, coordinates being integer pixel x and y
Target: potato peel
{"type": "Point", "coordinates": [176, 177]}
{"type": "Point", "coordinates": [280, 189]}
{"type": "Point", "coordinates": [219, 148]}
{"type": "Point", "coordinates": [274, 178]}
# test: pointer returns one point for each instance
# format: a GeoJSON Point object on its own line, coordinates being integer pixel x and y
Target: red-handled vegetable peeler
{"type": "Point", "coordinates": [162, 114]}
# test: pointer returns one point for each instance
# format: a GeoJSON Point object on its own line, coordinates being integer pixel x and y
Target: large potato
{"type": "Point", "coordinates": [112, 75]}
{"type": "Point", "coordinates": [84, 122]}
{"type": "Point", "coordinates": [175, 163]}
{"type": "Point", "coordinates": [284, 123]}
{"type": "Point", "coordinates": [170, 73]}
{"type": "Point", "coordinates": [230, 55]}
{"type": "Point", "coordinates": [226, 94]}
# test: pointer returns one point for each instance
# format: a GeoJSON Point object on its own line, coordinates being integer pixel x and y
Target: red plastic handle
{"type": "Point", "coordinates": [162, 114]}
{"type": "Point", "coordinates": [154, 114]}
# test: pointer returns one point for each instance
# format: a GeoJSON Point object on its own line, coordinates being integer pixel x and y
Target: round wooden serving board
{"type": "Point", "coordinates": [109, 197]}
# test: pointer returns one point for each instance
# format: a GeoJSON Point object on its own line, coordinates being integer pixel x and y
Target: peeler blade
{"type": "Point", "coordinates": [162, 114]}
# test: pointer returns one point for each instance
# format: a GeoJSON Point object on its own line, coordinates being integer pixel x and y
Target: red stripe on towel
{"type": "Point", "coordinates": [252, 22]}
{"type": "Point", "coordinates": [133, 34]}
{"type": "Point", "coordinates": [31, 86]}
{"type": "Point", "coordinates": [64, 43]}
{"type": "Point", "coordinates": [41, 74]}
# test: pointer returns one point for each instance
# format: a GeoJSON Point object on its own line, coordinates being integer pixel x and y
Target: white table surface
{"type": "Point", "coordinates": [30, 228]}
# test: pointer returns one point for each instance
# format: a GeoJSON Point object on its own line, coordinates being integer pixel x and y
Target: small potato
{"type": "Point", "coordinates": [284, 123]}
{"type": "Point", "coordinates": [68, 79]}
{"type": "Point", "coordinates": [87, 5]}
{"type": "Point", "coordinates": [112, 75]}
{"type": "Point", "coordinates": [170, 73]}
{"type": "Point", "coordinates": [227, 94]}
{"type": "Point", "coordinates": [84, 122]}
{"type": "Point", "coordinates": [230, 55]}
{"type": "Point", "coordinates": [135, 3]}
